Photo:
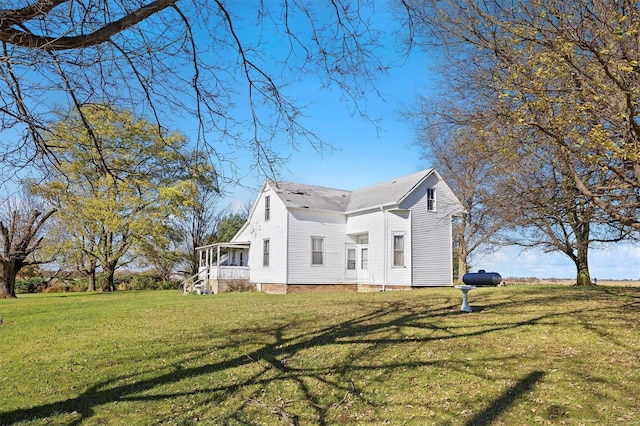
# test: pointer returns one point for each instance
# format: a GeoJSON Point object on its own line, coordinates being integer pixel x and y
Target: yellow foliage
{"type": "Point", "coordinates": [121, 181]}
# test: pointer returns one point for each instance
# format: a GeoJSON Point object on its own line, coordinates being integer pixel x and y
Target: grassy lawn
{"type": "Point", "coordinates": [526, 355]}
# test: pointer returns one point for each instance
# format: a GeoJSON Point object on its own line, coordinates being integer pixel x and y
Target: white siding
{"type": "Point", "coordinates": [371, 222]}
{"type": "Point", "coordinates": [306, 224]}
{"type": "Point", "coordinates": [427, 240]}
{"type": "Point", "coordinates": [398, 223]}
{"type": "Point", "coordinates": [275, 230]}
{"type": "Point", "coordinates": [431, 241]}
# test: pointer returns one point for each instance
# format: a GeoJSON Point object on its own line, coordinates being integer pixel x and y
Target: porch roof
{"type": "Point", "coordinates": [236, 244]}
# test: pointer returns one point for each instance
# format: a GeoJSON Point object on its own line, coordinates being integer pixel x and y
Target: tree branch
{"type": "Point", "coordinates": [23, 38]}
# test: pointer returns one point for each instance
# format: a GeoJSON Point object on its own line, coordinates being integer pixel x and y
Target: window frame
{"type": "Point", "coordinates": [364, 260]}
{"type": "Point", "coordinates": [395, 251]}
{"type": "Point", "coordinates": [431, 199]}
{"type": "Point", "coordinates": [267, 207]}
{"type": "Point", "coordinates": [321, 252]}
{"type": "Point", "coordinates": [265, 252]}
{"type": "Point", "coordinates": [354, 259]}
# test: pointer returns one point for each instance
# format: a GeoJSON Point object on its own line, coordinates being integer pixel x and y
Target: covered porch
{"type": "Point", "coordinates": [224, 260]}
{"type": "Point", "coordinates": [222, 263]}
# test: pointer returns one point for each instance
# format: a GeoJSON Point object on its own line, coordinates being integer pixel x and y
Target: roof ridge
{"type": "Point", "coordinates": [309, 185]}
{"type": "Point", "coordinates": [425, 171]}
{"type": "Point", "coordinates": [319, 197]}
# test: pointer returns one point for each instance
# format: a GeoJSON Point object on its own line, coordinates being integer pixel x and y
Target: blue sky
{"type": "Point", "coordinates": [364, 155]}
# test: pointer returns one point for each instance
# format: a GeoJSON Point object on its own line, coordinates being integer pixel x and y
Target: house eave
{"type": "Point", "coordinates": [235, 244]}
{"type": "Point", "coordinates": [387, 206]}
{"type": "Point", "coordinates": [418, 183]}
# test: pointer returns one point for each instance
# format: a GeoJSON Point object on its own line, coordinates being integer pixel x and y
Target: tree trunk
{"type": "Point", "coordinates": [8, 279]}
{"type": "Point", "coordinates": [91, 273]}
{"type": "Point", "coordinates": [582, 265]}
{"type": "Point", "coordinates": [194, 260]}
{"type": "Point", "coordinates": [462, 262]}
{"type": "Point", "coordinates": [109, 275]}
{"type": "Point", "coordinates": [92, 280]}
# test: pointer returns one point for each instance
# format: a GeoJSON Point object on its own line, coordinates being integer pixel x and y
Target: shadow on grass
{"type": "Point", "coordinates": [506, 400]}
{"type": "Point", "coordinates": [273, 362]}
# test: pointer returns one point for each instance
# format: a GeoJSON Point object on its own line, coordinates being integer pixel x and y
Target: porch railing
{"type": "Point", "coordinates": [229, 273]}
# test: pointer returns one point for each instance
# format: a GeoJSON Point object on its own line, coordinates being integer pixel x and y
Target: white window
{"type": "Point", "coordinates": [317, 251]}
{"type": "Point", "coordinates": [431, 199]}
{"type": "Point", "coordinates": [398, 250]}
{"type": "Point", "coordinates": [267, 207]}
{"type": "Point", "coordinates": [265, 253]}
{"type": "Point", "coordinates": [364, 258]}
{"type": "Point", "coordinates": [351, 259]}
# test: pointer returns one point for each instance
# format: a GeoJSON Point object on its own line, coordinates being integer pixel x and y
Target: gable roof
{"type": "Point", "coordinates": [391, 192]}
{"type": "Point", "coordinates": [386, 193]}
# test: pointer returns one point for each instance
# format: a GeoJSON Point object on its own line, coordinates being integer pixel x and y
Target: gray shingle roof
{"type": "Point", "coordinates": [311, 197]}
{"type": "Point", "coordinates": [385, 193]}
{"type": "Point", "coordinates": [321, 198]}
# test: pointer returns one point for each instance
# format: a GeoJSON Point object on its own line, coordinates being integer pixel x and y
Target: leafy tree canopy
{"type": "Point", "coordinates": [119, 186]}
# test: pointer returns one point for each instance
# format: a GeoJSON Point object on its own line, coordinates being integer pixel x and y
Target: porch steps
{"type": "Point", "coordinates": [194, 283]}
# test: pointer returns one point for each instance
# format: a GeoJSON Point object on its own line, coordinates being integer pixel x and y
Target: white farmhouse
{"type": "Point", "coordinates": [393, 235]}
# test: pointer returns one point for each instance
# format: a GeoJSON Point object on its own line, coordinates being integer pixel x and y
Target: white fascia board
{"type": "Point", "coordinates": [417, 184]}
{"type": "Point", "coordinates": [389, 206]}
{"type": "Point", "coordinates": [235, 244]}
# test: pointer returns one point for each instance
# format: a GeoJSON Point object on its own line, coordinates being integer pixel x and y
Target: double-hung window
{"type": "Point", "coordinates": [317, 251]}
{"type": "Point", "coordinates": [265, 253]}
{"type": "Point", "coordinates": [267, 207]}
{"type": "Point", "coordinates": [351, 259]}
{"type": "Point", "coordinates": [431, 199]}
{"type": "Point", "coordinates": [398, 250]}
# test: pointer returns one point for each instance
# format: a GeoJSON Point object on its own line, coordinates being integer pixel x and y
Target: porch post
{"type": "Point", "coordinates": [218, 263]}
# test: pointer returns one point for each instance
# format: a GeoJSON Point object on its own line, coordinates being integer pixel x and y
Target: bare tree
{"type": "Point", "coordinates": [225, 64]}
{"type": "Point", "coordinates": [514, 192]}
{"type": "Point", "coordinates": [21, 223]}
{"type": "Point", "coordinates": [563, 73]}
{"type": "Point", "coordinates": [457, 144]}
{"type": "Point", "coordinates": [198, 226]}
{"type": "Point", "coordinates": [551, 213]}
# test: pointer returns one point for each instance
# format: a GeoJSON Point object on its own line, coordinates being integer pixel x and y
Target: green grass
{"type": "Point", "coordinates": [526, 355]}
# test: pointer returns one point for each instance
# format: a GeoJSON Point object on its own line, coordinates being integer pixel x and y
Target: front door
{"type": "Point", "coordinates": [351, 262]}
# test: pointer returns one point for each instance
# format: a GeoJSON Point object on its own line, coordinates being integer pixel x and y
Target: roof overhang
{"type": "Point", "coordinates": [388, 206]}
{"type": "Point", "coordinates": [238, 245]}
